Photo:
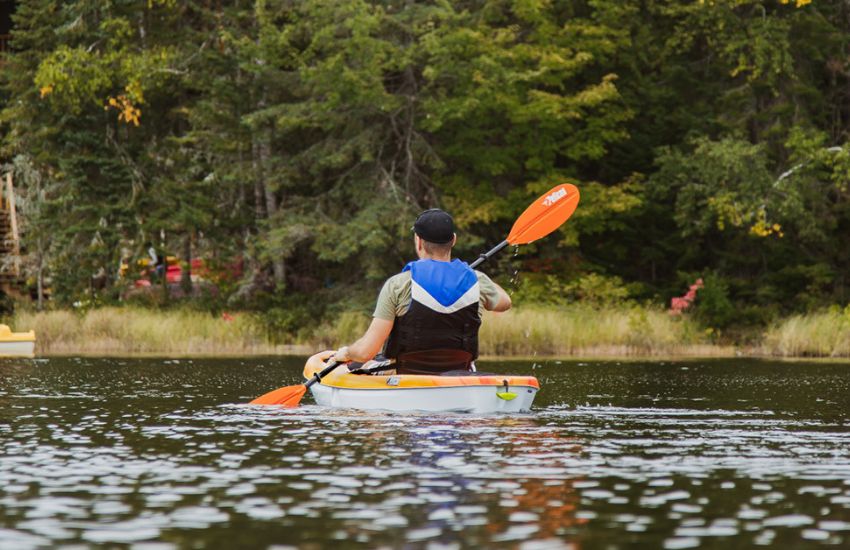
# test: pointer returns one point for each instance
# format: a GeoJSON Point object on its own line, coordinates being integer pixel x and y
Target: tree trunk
{"type": "Point", "coordinates": [186, 276]}
{"type": "Point", "coordinates": [259, 191]}
{"type": "Point", "coordinates": [39, 279]}
{"type": "Point", "coordinates": [262, 137]}
{"type": "Point", "coordinates": [264, 193]}
{"type": "Point", "coordinates": [278, 263]}
{"type": "Point", "coordinates": [166, 296]}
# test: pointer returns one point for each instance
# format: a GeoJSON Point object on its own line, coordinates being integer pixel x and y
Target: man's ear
{"type": "Point", "coordinates": [454, 239]}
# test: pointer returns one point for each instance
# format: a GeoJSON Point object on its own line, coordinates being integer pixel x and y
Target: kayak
{"type": "Point", "coordinates": [16, 344]}
{"type": "Point", "coordinates": [486, 393]}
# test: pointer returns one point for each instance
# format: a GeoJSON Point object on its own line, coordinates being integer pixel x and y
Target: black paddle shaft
{"type": "Point", "coordinates": [487, 255]}
{"type": "Point", "coordinates": [321, 374]}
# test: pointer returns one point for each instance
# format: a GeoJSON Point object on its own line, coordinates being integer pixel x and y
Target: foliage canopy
{"type": "Point", "coordinates": [298, 140]}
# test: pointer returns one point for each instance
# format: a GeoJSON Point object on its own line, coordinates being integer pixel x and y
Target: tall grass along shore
{"type": "Point", "coordinates": [571, 330]}
{"type": "Point", "coordinates": [820, 334]}
{"type": "Point", "coordinates": [574, 330]}
{"type": "Point", "coordinates": [118, 331]}
{"type": "Point", "coordinates": [584, 331]}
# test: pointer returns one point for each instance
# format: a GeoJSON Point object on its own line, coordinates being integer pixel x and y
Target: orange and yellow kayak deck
{"type": "Point", "coordinates": [489, 393]}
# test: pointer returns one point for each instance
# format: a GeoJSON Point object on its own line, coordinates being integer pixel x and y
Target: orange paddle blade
{"type": "Point", "coordinates": [545, 215]}
{"type": "Point", "coordinates": [288, 396]}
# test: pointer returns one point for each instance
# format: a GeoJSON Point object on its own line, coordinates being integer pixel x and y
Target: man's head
{"type": "Point", "coordinates": [435, 234]}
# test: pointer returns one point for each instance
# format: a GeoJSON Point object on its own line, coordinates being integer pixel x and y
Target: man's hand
{"type": "Point", "coordinates": [341, 355]}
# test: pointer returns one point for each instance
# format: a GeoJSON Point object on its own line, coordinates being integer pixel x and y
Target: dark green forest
{"type": "Point", "coordinates": [289, 145]}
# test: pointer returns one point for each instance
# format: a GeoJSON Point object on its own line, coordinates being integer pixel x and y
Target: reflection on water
{"type": "Point", "coordinates": [131, 452]}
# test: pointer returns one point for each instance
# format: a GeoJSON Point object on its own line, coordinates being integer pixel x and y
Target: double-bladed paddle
{"type": "Point", "coordinates": [542, 217]}
{"type": "Point", "coordinates": [546, 214]}
{"type": "Point", "coordinates": [290, 396]}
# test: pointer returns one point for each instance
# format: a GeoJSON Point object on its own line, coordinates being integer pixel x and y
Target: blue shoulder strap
{"type": "Point", "coordinates": [446, 282]}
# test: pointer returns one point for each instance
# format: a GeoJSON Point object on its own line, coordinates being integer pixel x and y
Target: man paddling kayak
{"type": "Point", "coordinates": [442, 307]}
{"type": "Point", "coordinates": [430, 313]}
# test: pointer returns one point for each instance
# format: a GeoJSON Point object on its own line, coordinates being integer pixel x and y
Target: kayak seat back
{"type": "Point", "coordinates": [434, 361]}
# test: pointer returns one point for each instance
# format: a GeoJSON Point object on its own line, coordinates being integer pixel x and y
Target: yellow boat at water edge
{"type": "Point", "coordinates": [16, 344]}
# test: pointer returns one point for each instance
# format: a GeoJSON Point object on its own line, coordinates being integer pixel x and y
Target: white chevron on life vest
{"type": "Point", "coordinates": [471, 296]}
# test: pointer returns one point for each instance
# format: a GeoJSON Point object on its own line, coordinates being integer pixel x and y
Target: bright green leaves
{"type": "Point", "coordinates": [111, 72]}
{"type": "Point", "coordinates": [604, 209]}
{"type": "Point", "coordinates": [478, 204]}
{"type": "Point", "coordinates": [511, 96]}
{"type": "Point", "coordinates": [72, 79]}
{"type": "Point", "coordinates": [310, 133]}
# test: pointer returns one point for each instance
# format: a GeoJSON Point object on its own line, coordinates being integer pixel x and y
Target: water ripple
{"type": "Point", "coordinates": [153, 452]}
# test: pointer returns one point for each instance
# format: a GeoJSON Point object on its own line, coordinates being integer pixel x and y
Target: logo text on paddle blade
{"type": "Point", "coordinates": [554, 197]}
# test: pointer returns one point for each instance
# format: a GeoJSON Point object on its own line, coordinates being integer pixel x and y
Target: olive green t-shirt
{"type": "Point", "coordinates": [396, 293]}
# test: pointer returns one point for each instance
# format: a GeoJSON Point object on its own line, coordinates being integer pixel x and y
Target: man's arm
{"type": "Point", "coordinates": [369, 344]}
{"type": "Point", "coordinates": [494, 297]}
{"type": "Point", "coordinates": [504, 302]}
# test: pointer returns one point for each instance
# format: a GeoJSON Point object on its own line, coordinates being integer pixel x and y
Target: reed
{"type": "Point", "coordinates": [586, 331]}
{"type": "Point", "coordinates": [625, 330]}
{"type": "Point", "coordinates": [113, 330]}
{"type": "Point", "coordinates": [341, 329]}
{"type": "Point", "coordinates": [819, 334]}
{"type": "Point", "coordinates": [523, 331]}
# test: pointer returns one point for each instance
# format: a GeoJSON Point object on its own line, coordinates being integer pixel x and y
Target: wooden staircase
{"type": "Point", "coordinates": [11, 282]}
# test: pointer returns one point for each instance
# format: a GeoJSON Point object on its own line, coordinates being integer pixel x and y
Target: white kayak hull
{"type": "Point", "coordinates": [16, 344]}
{"type": "Point", "coordinates": [469, 399]}
{"type": "Point", "coordinates": [20, 348]}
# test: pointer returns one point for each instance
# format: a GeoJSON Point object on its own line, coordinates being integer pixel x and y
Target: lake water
{"type": "Point", "coordinates": [157, 454]}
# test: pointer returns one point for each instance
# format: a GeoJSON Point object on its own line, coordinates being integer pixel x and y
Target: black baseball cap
{"type": "Point", "coordinates": [435, 226]}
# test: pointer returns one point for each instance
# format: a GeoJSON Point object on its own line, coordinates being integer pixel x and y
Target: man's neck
{"type": "Point", "coordinates": [436, 258]}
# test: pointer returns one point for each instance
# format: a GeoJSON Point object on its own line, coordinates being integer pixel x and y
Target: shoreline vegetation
{"type": "Point", "coordinates": [533, 331]}
{"type": "Point", "coordinates": [270, 157]}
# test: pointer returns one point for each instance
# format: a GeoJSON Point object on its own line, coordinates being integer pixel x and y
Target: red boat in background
{"type": "Point", "coordinates": [174, 272]}
{"type": "Point", "coordinates": [201, 275]}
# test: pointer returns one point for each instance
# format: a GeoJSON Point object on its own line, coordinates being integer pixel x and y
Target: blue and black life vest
{"type": "Point", "coordinates": [443, 312]}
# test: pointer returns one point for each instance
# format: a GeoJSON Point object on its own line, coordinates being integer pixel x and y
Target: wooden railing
{"type": "Point", "coordinates": [11, 241]}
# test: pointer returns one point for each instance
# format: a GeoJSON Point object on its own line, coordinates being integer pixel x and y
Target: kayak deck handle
{"type": "Point", "coordinates": [506, 394]}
